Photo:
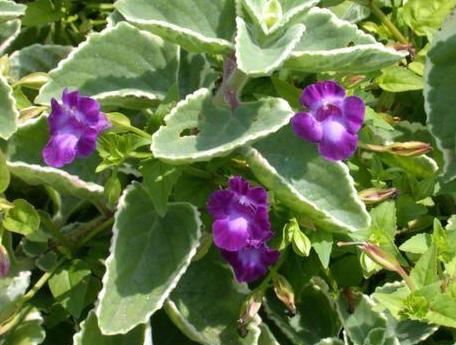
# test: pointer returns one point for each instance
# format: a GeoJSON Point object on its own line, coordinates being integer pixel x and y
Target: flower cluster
{"type": "Point", "coordinates": [332, 120]}
{"type": "Point", "coordinates": [241, 228]}
{"type": "Point", "coordinates": [74, 127]}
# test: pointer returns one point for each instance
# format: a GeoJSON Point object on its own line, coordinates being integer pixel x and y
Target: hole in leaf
{"type": "Point", "coordinates": [188, 132]}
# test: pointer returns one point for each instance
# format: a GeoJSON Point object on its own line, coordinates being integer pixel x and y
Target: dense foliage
{"type": "Point", "coordinates": [227, 172]}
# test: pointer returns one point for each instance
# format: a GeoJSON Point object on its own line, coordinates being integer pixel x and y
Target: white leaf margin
{"type": "Point", "coordinates": [104, 95]}
{"type": "Point", "coordinates": [252, 153]}
{"type": "Point", "coordinates": [214, 152]}
{"type": "Point", "coordinates": [115, 233]}
{"type": "Point", "coordinates": [223, 45]}
{"type": "Point", "coordinates": [12, 100]}
{"type": "Point", "coordinates": [241, 28]}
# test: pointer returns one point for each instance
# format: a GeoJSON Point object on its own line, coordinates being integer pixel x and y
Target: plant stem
{"type": "Point", "coordinates": [233, 82]}
{"type": "Point", "coordinates": [273, 271]}
{"type": "Point", "coordinates": [140, 132]}
{"type": "Point", "coordinates": [387, 22]}
{"type": "Point", "coordinates": [95, 231]}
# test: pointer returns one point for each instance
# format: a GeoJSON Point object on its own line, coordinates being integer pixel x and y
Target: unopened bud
{"type": "Point", "coordinates": [249, 310]}
{"type": "Point", "coordinates": [381, 257]}
{"type": "Point", "coordinates": [284, 293]}
{"type": "Point", "coordinates": [272, 13]}
{"type": "Point", "coordinates": [352, 80]}
{"type": "Point", "coordinates": [410, 148]}
{"type": "Point", "coordinates": [33, 80]}
{"type": "Point", "coordinates": [4, 262]}
{"type": "Point", "coordinates": [407, 149]}
{"type": "Point", "coordinates": [375, 195]}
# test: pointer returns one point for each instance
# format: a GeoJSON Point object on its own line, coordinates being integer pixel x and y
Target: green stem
{"type": "Point", "coordinates": [95, 231]}
{"type": "Point", "coordinates": [233, 83]}
{"type": "Point", "coordinates": [140, 132]}
{"type": "Point", "coordinates": [407, 279]}
{"type": "Point", "coordinates": [387, 22]}
{"type": "Point", "coordinates": [273, 271]}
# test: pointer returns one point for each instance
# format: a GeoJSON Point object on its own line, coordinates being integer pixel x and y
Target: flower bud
{"type": "Point", "coordinates": [375, 195]}
{"type": "Point", "coordinates": [284, 292]}
{"type": "Point", "coordinates": [249, 310]}
{"type": "Point", "coordinates": [381, 257]}
{"type": "Point", "coordinates": [4, 262]}
{"type": "Point", "coordinates": [410, 148]}
{"type": "Point", "coordinates": [272, 13]}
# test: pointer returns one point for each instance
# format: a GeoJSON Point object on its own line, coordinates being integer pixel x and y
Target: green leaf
{"type": "Point", "coordinates": [159, 179]}
{"type": "Point", "coordinates": [306, 327]}
{"type": "Point", "coordinates": [90, 334]}
{"type": "Point", "coordinates": [4, 174]}
{"type": "Point", "coordinates": [425, 17]}
{"type": "Point", "coordinates": [24, 159]}
{"type": "Point", "coordinates": [148, 256]}
{"type": "Point", "coordinates": [166, 333]}
{"type": "Point", "coordinates": [335, 45]}
{"type": "Point", "coordinates": [358, 322]}
{"type": "Point", "coordinates": [299, 176]}
{"type": "Point", "coordinates": [107, 67]}
{"type": "Point", "coordinates": [287, 91]}
{"type": "Point", "coordinates": [36, 58]}
{"type": "Point", "coordinates": [322, 242]}
{"type": "Point", "coordinates": [409, 332]}
{"type": "Point", "coordinates": [23, 218]}
{"type": "Point", "coordinates": [12, 288]}
{"type": "Point", "coordinates": [41, 12]}
{"type": "Point", "coordinates": [301, 243]}
{"type": "Point", "coordinates": [10, 10]}
{"type": "Point", "coordinates": [419, 166]}
{"type": "Point", "coordinates": [8, 32]}
{"type": "Point", "coordinates": [425, 271]}
{"type": "Point", "coordinates": [443, 311]}
{"type": "Point", "coordinates": [196, 25]}
{"type": "Point", "coordinates": [259, 55]}
{"type": "Point", "coordinates": [195, 72]}
{"type": "Point", "coordinates": [399, 79]}
{"type": "Point", "coordinates": [351, 11]}
{"type": "Point", "coordinates": [438, 94]}
{"type": "Point", "coordinates": [28, 332]}
{"type": "Point", "coordinates": [198, 130]}
{"type": "Point", "coordinates": [417, 244]}
{"type": "Point", "coordinates": [267, 337]}
{"type": "Point", "coordinates": [8, 111]}
{"type": "Point", "coordinates": [206, 303]}
{"type": "Point", "coordinates": [69, 286]}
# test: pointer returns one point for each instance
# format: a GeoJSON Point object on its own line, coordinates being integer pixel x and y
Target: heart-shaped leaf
{"type": "Point", "coordinates": [149, 254]}
{"type": "Point", "coordinates": [331, 44]}
{"type": "Point", "coordinates": [199, 130]}
{"type": "Point", "coordinates": [257, 54]}
{"type": "Point", "coordinates": [8, 111]}
{"type": "Point", "coordinates": [29, 331]}
{"type": "Point", "coordinates": [438, 94]}
{"type": "Point", "coordinates": [206, 303]}
{"type": "Point", "coordinates": [90, 334]}
{"type": "Point", "coordinates": [196, 25]}
{"type": "Point", "coordinates": [307, 183]}
{"type": "Point", "coordinates": [118, 62]}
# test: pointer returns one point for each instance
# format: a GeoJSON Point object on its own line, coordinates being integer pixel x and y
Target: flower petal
{"type": "Point", "coordinates": [219, 203]}
{"type": "Point", "coordinates": [314, 94]}
{"type": "Point", "coordinates": [87, 142]}
{"type": "Point", "coordinates": [251, 263]}
{"type": "Point", "coordinates": [337, 142]}
{"type": "Point", "coordinates": [354, 110]}
{"type": "Point", "coordinates": [88, 111]}
{"type": "Point", "coordinates": [251, 197]}
{"type": "Point", "coordinates": [70, 98]}
{"type": "Point", "coordinates": [307, 127]}
{"type": "Point", "coordinates": [60, 150]}
{"type": "Point", "coordinates": [231, 233]}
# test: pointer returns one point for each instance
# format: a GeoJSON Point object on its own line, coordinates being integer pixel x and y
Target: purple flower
{"type": "Point", "coordinates": [74, 127]}
{"type": "Point", "coordinates": [241, 227]}
{"type": "Point", "coordinates": [332, 120]}
{"type": "Point", "coordinates": [250, 263]}
{"type": "Point", "coordinates": [240, 215]}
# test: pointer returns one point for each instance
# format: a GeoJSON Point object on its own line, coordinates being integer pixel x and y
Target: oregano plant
{"type": "Point", "coordinates": [227, 172]}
